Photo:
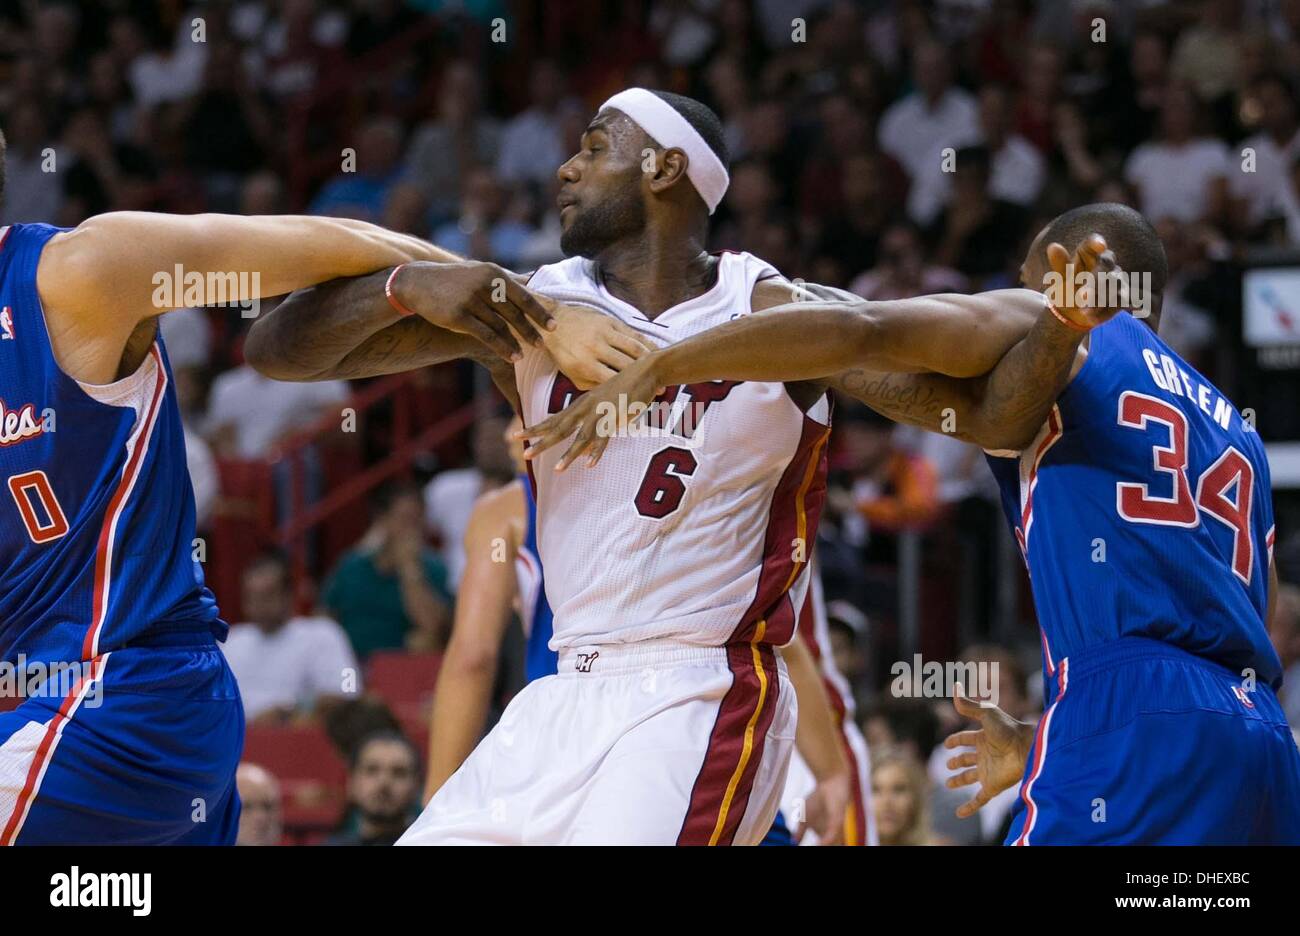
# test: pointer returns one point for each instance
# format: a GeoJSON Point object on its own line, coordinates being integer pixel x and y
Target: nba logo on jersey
{"type": "Point", "coordinates": [7, 324]}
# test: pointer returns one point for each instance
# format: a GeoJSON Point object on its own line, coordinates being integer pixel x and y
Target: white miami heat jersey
{"type": "Point", "coordinates": [699, 530]}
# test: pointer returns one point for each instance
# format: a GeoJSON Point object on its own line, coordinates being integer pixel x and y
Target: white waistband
{"type": "Point", "coordinates": [607, 659]}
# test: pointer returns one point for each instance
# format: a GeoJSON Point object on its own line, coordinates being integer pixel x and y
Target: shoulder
{"type": "Point", "coordinates": [495, 512]}
{"type": "Point", "coordinates": [568, 271]}
{"type": "Point", "coordinates": [777, 290]}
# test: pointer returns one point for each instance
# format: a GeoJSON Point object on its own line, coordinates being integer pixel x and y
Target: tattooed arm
{"type": "Point", "coordinates": [1002, 409]}
{"type": "Point", "coordinates": [347, 328]}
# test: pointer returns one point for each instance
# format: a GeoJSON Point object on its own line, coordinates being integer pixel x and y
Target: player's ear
{"type": "Point", "coordinates": [670, 168]}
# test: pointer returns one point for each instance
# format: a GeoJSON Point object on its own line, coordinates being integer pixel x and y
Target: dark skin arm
{"type": "Point", "coordinates": [957, 336]}
{"type": "Point", "coordinates": [347, 328]}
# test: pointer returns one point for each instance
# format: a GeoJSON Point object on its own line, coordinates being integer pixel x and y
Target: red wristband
{"type": "Point", "coordinates": [388, 291]}
{"type": "Point", "coordinates": [1059, 317]}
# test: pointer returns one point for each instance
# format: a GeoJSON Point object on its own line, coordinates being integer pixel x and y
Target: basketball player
{"type": "Point", "coordinates": [859, 824]}
{"type": "Point", "coordinates": [676, 568]}
{"type": "Point", "coordinates": [130, 725]}
{"type": "Point", "coordinates": [503, 524]}
{"type": "Point", "coordinates": [1140, 498]}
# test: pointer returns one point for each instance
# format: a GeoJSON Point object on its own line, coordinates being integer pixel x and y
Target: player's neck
{"type": "Point", "coordinates": [653, 275]}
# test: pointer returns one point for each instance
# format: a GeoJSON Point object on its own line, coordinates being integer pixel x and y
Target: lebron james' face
{"type": "Point", "coordinates": [601, 200]}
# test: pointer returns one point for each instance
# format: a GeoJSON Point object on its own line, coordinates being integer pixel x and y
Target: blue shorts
{"type": "Point", "coordinates": [1147, 744]}
{"type": "Point", "coordinates": [138, 747]}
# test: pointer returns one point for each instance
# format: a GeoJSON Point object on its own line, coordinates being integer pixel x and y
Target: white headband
{"type": "Point", "coordinates": [670, 129]}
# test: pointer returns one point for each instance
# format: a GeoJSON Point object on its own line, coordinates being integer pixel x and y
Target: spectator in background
{"type": "Point", "coordinates": [1017, 169]}
{"type": "Point", "coordinates": [491, 224]}
{"type": "Point", "coordinates": [1149, 69]}
{"type": "Point", "coordinates": [228, 129]}
{"type": "Point", "coordinates": [1285, 634]}
{"type": "Point", "coordinates": [1275, 148]}
{"type": "Point", "coordinates": [1187, 327]}
{"type": "Point", "coordinates": [287, 666]}
{"type": "Point", "coordinates": [977, 233]}
{"type": "Point", "coordinates": [902, 270]}
{"type": "Point", "coordinates": [1182, 174]}
{"type": "Point", "coordinates": [449, 497]}
{"type": "Point", "coordinates": [849, 630]}
{"type": "Point", "coordinates": [260, 814]}
{"type": "Point", "coordinates": [360, 190]}
{"type": "Point", "coordinates": [532, 146]}
{"type": "Point", "coordinates": [383, 791]}
{"type": "Point", "coordinates": [460, 136]}
{"type": "Point", "coordinates": [853, 235]}
{"type": "Point", "coordinates": [171, 69]}
{"type": "Point", "coordinates": [250, 414]}
{"type": "Point", "coordinates": [33, 191]}
{"type": "Point", "coordinates": [892, 489]}
{"type": "Point", "coordinates": [899, 795]}
{"type": "Point", "coordinates": [390, 591]}
{"type": "Point", "coordinates": [1208, 55]}
{"type": "Point", "coordinates": [915, 129]}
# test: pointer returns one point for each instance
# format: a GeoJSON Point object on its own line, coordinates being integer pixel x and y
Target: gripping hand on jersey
{"type": "Point", "coordinates": [1000, 749]}
{"type": "Point", "coordinates": [590, 347]}
{"type": "Point", "coordinates": [599, 414]}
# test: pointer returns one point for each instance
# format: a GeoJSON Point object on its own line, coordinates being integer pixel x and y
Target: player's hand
{"type": "Point", "coordinates": [1094, 298]}
{"type": "Point", "coordinates": [478, 299]}
{"type": "Point", "coordinates": [590, 347]}
{"type": "Point", "coordinates": [1001, 748]}
{"type": "Point", "coordinates": [599, 414]}
{"type": "Point", "coordinates": [825, 810]}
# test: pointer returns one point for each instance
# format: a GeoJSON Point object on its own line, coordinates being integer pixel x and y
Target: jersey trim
{"type": "Point", "coordinates": [795, 510]}
{"type": "Point", "coordinates": [721, 792]}
{"type": "Point", "coordinates": [1040, 756]}
{"type": "Point", "coordinates": [1048, 436]}
{"type": "Point", "coordinates": [43, 753]}
{"type": "Point", "coordinates": [137, 446]}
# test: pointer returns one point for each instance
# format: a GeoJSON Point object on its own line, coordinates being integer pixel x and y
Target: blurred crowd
{"type": "Point", "coordinates": [890, 148]}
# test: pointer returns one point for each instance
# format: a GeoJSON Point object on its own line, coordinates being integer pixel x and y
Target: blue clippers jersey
{"type": "Point", "coordinates": [97, 515]}
{"type": "Point", "coordinates": [539, 659]}
{"type": "Point", "coordinates": [1144, 509]}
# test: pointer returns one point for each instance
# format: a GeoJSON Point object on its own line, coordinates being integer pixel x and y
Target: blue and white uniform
{"type": "Point", "coordinates": [1144, 513]}
{"type": "Point", "coordinates": [130, 725]}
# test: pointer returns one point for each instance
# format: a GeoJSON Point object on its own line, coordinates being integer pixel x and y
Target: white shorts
{"type": "Point", "coordinates": [651, 743]}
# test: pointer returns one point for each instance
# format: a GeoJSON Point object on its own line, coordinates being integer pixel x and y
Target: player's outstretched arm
{"type": "Point", "coordinates": [819, 744]}
{"type": "Point", "coordinates": [427, 313]}
{"type": "Point", "coordinates": [99, 281]}
{"type": "Point", "coordinates": [113, 264]}
{"type": "Point", "coordinates": [469, 666]}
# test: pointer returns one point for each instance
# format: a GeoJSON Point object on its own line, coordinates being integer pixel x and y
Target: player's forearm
{"type": "Point", "coordinates": [803, 341]}
{"type": "Point", "coordinates": [346, 328]}
{"type": "Point", "coordinates": [816, 734]}
{"type": "Point", "coordinates": [956, 335]}
{"type": "Point", "coordinates": [460, 708]}
{"type": "Point", "coordinates": [1020, 391]}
